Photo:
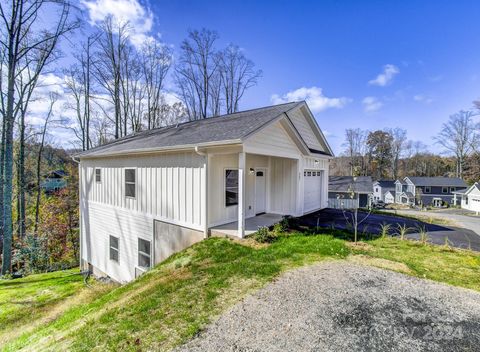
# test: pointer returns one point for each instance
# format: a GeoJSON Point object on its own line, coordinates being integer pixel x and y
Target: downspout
{"type": "Point", "coordinates": [80, 250]}
{"type": "Point", "coordinates": [205, 202]}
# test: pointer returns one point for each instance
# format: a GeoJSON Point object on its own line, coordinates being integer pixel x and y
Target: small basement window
{"type": "Point", "coordinates": [231, 187]}
{"type": "Point", "coordinates": [144, 253]}
{"type": "Point", "coordinates": [130, 183]}
{"type": "Point", "coordinates": [114, 248]}
{"type": "Point", "coordinates": [444, 189]}
{"type": "Point", "coordinates": [98, 175]}
{"type": "Point", "coordinates": [428, 189]}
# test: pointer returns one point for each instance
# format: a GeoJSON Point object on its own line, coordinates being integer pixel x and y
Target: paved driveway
{"type": "Point", "coordinates": [457, 236]}
{"type": "Point", "coordinates": [339, 306]}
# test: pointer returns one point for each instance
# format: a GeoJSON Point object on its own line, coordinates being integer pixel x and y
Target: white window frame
{"type": "Point", "coordinates": [444, 189]}
{"type": "Point", "coordinates": [125, 182]}
{"type": "Point", "coordinates": [225, 186]}
{"type": "Point", "coordinates": [143, 253]}
{"type": "Point", "coordinates": [99, 173]}
{"type": "Point", "coordinates": [115, 249]}
{"type": "Point", "coordinates": [428, 189]}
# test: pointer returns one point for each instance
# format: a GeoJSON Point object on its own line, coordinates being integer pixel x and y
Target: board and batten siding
{"type": "Point", "coordinates": [303, 127]}
{"type": "Point", "coordinates": [272, 140]}
{"type": "Point", "coordinates": [169, 187]}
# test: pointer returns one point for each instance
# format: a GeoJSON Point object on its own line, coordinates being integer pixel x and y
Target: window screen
{"type": "Point", "coordinates": [144, 256]}
{"type": "Point", "coordinates": [114, 248]}
{"type": "Point", "coordinates": [98, 175]}
{"type": "Point", "coordinates": [231, 187]}
{"type": "Point", "coordinates": [130, 183]}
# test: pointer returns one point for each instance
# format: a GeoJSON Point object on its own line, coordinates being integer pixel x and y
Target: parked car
{"type": "Point", "coordinates": [379, 204]}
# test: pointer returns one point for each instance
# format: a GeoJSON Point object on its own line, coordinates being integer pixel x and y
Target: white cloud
{"type": "Point", "coordinates": [371, 104]}
{"type": "Point", "coordinates": [386, 77]}
{"type": "Point", "coordinates": [422, 99]}
{"type": "Point", "coordinates": [314, 96]}
{"type": "Point", "coordinates": [139, 17]}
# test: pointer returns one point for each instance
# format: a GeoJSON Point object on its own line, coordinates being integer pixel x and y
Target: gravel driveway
{"type": "Point", "coordinates": [340, 306]}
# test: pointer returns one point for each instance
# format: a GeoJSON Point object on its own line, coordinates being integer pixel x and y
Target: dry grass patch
{"type": "Point", "coordinates": [380, 263]}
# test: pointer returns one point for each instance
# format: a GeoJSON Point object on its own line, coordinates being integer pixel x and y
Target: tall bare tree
{"type": "Point", "coordinates": [156, 60]}
{"type": "Point", "coordinates": [23, 45]}
{"type": "Point", "coordinates": [237, 74]}
{"type": "Point", "coordinates": [355, 139]}
{"type": "Point", "coordinates": [195, 70]}
{"type": "Point", "coordinates": [459, 136]}
{"type": "Point", "coordinates": [399, 140]}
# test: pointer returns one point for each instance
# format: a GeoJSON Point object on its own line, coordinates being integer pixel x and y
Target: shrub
{"type": "Point", "coordinates": [402, 231]}
{"type": "Point", "coordinates": [32, 256]}
{"type": "Point", "coordinates": [385, 230]}
{"type": "Point", "coordinates": [264, 235]}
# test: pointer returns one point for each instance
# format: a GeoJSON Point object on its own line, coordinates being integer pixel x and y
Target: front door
{"type": "Point", "coordinates": [260, 191]}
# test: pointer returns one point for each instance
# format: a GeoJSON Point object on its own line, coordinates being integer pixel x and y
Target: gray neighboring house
{"type": "Point", "coordinates": [340, 189]}
{"type": "Point", "coordinates": [381, 188]}
{"type": "Point", "coordinates": [428, 191]}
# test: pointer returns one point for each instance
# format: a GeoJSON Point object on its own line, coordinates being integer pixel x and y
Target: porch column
{"type": "Point", "coordinates": [241, 194]}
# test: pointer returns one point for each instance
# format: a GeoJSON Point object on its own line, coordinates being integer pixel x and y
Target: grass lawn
{"type": "Point", "coordinates": [428, 218]}
{"type": "Point", "coordinates": [173, 301]}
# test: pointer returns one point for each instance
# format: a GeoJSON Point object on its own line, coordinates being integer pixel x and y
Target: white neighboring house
{"type": "Point", "coordinates": [389, 197]}
{"type": "Point", "coordinates": [470, 198]}
{"type": "Point", "coordinates": [148, 195]}
{"type": "Point", "coordinates": [380, 189]}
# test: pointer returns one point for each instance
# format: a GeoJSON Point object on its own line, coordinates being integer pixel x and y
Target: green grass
{"type": "Point", "coordinates": [173, 301]}
{"type": "Point", "coordinates": [176, 299]}
{"type": "Point", "coordinates": [438, 263]}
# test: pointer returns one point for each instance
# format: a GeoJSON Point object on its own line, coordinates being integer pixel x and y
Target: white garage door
{"type": "Point", "coordinates": [312, 190]}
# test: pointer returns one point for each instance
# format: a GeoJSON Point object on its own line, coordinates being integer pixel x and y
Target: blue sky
{"type": "Point", "coordinates": [367, 64]}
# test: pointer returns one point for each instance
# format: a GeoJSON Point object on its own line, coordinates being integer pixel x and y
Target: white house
{"type": "Point", "coordinates": [470, 198]}
{"type": "Point", "coordinates": [146, 196]}
{"type": "Point", "coordinates": [389, 197]}
{"type": "Point", "coordinates": [380, 189]}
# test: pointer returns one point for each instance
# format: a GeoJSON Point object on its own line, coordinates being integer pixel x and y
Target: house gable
{"type": "Point", "coordinates": [307, 127]}
{"type": "Point", "coordinates": [276, 140]}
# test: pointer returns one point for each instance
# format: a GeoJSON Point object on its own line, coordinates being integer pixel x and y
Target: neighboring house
{"type": "Point", "coordinates": [380, 189]}
{"type": "Point", "coordinates": [54, 181]}
{"type": "Point", "coordinates": [342, 188]}
{"type": "Point", "coordinates": [428, 191]}
{"type": "Point", "coordinates": [470, 198]}
{"type": "Point", "coordinates": [389, 197]}
{"type": "Point", "coordinates": [148, 195]}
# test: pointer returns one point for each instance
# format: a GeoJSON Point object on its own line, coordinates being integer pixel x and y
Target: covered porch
{"type": "Point", "coordinates": [251, 225]}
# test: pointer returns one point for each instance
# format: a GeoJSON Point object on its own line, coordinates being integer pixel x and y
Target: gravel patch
{"type": "Point", "coordinates": [342, 306]}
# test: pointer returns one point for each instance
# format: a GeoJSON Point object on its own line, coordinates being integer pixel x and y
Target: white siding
{"type": "Point", "coordinates": [303, 127]}
{"type": "Point", "coordinates": [168, 186]}
{"type": "Point", "coordinates": [98, 223]}
{"type": "Point", "coordinates": [272, 140]}
{"type": "Point", "coordinates": [283, 186]}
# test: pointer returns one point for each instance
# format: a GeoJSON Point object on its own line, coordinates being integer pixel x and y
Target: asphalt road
{"type": "Point", "coordinates": [339, 306]}
{"type": "Point", "coordinates": [459, 237]}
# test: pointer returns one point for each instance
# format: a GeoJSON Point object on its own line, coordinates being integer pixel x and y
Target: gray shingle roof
{"type": "Point", "coordinates": [362, 184]}
{"type": "Point", "coordinates": [221, 128]}
{"type": "Point", "coordinates": [386, 183]}
{"type": "Point", "coordinates": [438, 181]}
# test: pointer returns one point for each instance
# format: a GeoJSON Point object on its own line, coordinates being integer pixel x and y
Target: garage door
{"type": "Point", "coordinates": [312, 190]}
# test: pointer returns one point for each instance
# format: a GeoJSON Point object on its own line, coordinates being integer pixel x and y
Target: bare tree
{"type": "Point", "coordinates": [196, 68]}
{"type": "Point", "coordinates": [399, 140]}
{"type": "Point", "coordinates": [23, 45]}
{"type": "Point", "coordinates": [78, 80]}
{"type": "Point", "coordinates": [237, 74]}
{"type": "Point", "coordinates": [354, 145]}
{"type": "Point", "coordinates": [43, 132]}
{"type": "Point", "coordinates": [459, 136]}
{"type": "Point", "coordinates": [108, 67]}
{"type": "Point", "coordinates": [156, 60]}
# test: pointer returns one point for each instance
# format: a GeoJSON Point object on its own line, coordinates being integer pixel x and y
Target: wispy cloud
{"type": "Point", "coordinates": [138, 16]}
{"type": "Point", "coordinates": [422, 98]}
{"type": "Point", "coordinates": [386, 77]}
{"type": "Point", "coordinates": [371, 104]}
{"type": "Point", "coordinates": [314, 96]}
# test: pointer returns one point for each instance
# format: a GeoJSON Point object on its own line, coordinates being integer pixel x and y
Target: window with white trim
{"type": "Point", "coordinates": [114, 248]}
{"type": "Point", "coordinates": [98, 175]}
{"type": "Point", "coordinates": [428, 189]}
{"type": "Point", "coordinates": [130, 183]}
{"type": "Point", "coordinates": [231, 187]}
{"type": "Point", "coordinates": [144, 253]}
{"type": "Point", "coordinates": [444, 189]}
